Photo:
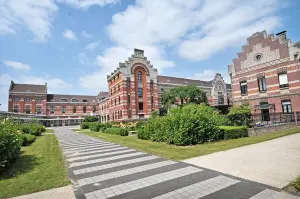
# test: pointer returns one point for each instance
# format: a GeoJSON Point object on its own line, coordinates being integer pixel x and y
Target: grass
{"type": "Point", "coordinates": [296, 183]}
{"type": "Point", "coordinates": [180, 152]}
{"type": "Point", "coordinates": [39, 167]}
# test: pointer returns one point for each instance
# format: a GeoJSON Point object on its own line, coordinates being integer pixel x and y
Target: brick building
{"type": "Point", "coordinates": [134, 92]}
{"type": "Point", "coordinates": [266, 74]}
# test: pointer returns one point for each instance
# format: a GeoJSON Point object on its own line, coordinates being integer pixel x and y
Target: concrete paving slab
{"type": "Point", "coordinates": [275, 162]}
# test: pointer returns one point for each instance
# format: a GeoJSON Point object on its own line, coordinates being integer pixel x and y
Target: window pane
{"type": "Point", "coordinates": [283, 79]}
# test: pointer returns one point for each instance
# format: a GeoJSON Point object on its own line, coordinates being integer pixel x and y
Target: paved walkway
{"type": "Point", "coordinates": [275, 162]}
{"type": "Point", "coordinates": [100, 169]}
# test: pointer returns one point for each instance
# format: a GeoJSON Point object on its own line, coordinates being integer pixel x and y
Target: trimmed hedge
{"type": "Point", "coordinates": [32, 128]}
{"type": "Point", "coordinates": [10, 144]}
{"type": "Point", "coordinates": [117, 131]}
{"type": "Point", "coordinates": [27, 139]}
{"type": "Point", "coordinates": [233, 132]}
{"type": "Point", "coordinates": [141, 134]}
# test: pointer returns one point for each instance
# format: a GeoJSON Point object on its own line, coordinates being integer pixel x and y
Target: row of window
{"type": "Point", "coordinates": [262, 85]}
{"type": "Point", "coordinates": [114, 89]}
{"type": "Point", "coordinates": [117, 115]}
{"type": "Point", "coordinates": [115, 78]}
{"type": "Point", "coordinates": [28, 109]}
{"type": "Point", "coordinates": [28, 99]}
{"type": "Point", "coordinates": [63, 109]}
{"type": "Point", "coordinates": [73, 100]}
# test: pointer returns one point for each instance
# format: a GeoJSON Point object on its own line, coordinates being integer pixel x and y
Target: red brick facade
{"type": "Point", "coordinates": [269, 59]}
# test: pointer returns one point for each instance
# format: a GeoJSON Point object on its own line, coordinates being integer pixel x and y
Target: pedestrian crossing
{"type": "Point", "coordinates": [100, 169]}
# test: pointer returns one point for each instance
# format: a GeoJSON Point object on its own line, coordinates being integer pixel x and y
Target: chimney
{"type": "Point", "coordinates": [281, 36]}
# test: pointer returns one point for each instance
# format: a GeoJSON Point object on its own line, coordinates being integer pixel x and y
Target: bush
{"type": "Point", "coordinates": [10, 144]}
{"type": "Point", "coordinates": [95, 126]}
{"type": "Point", "coordinates": [140, 124]}
{"type": "Point", "coordinates": [142, 134]}
{"type": "Point", "coordinates": [191, 124]}
{"type": "Point", "coordinates": [233, 132]}
{"type": "Point", "coordinates": [84, 125]}
{"type": "Point", "coordinates": [90, 119]}
{"type": "Point", "coordinates": [117, 131]}
{"type": "Point", "coordinates": [240, 115]}
{"type": "Point", "coordinates": [27, 139]}
{"type": "Point", "coordinates": [32, 128]}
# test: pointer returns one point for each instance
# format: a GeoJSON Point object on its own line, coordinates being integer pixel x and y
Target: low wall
{"type": "Point", "coordinates": [269, 129]}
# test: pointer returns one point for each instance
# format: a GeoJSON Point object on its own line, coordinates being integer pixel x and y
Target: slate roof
{"type": "Point", "coordinates": [79, 98]}
{"type": "Point", "coordinates": [30, 88]}
{"type": "Point", "coordinates": [182, 81]}
{"type": "Point", "coordinates": [102, 95]}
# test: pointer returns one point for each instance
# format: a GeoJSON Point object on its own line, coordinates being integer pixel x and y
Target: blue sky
{"type": "Point", "coordinates": [74, 44]}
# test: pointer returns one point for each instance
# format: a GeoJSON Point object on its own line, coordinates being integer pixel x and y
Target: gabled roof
{"type": "Point", "coordinates": [79, 98]}
{"type": "Point", "coordinates": [30, 88]}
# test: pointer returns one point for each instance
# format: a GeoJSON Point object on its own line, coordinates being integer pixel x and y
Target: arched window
{"type": "Point", "coordinates": [28, 99]}
{"type": "Point", "coordinates": [74, 109]}
{"type": "Point", "coordinates": [120, 114]}
{"type": "Point", "coordinates": [16, 99]}
{"type": "Point", "coordinates": [139, 76]}
{"type": "Point", "coordinates": [84, 109]}
{"type": "Point", "coordinates": [51, 109]}
{"type": "Point", "coordinates": [38, 100]}
{"type": "Point", "coordinates": [27, 109]}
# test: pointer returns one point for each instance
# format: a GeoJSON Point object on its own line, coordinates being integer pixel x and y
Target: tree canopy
{"type": "Point", "coordinates": [190, 93]}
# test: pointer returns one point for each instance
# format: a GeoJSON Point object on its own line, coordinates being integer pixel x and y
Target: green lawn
{"type": "Point", "coordinates": [180, 152]}
{"type": "Point", "coordinates": [40, 167]}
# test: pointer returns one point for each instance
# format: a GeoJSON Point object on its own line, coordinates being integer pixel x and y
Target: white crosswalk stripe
{"type": "Point", "coordinates": [100, 155]}
{"type": "Point", "coordinates": [201, 189]}
{"type": "Point", "coordinates": [117, 174]}
{"type": "Point", "coordinates": [105, 159]}
{"type": "Point", "coordinates": [142, 183]}
{"type": "Point", "coordinates": [112, 165]}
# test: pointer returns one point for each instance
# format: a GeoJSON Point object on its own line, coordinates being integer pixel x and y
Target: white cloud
{"type": "Point", "coordinates": [83, 59]}
{"type": "Point", "coordinates": [93, 45]}
{"type": "Point", "coordinates": [86, 35]}
{"type": "Point", "coordinates": [52, 83]}
{"type": "Point", "coordinates": [208, 75]}
{"type": "Point", "coordinates": [17, 65]}
{"type": "Point", "coordinates": [5, 79]}
{"type": "Point", "coordinates": [4, 98]}
{"type": "Point", "coordinates": [69, 34]}
{"type": "Point", "coordinates": [85, 4]}
{"type": "Point", "coordinates": [36, 16]}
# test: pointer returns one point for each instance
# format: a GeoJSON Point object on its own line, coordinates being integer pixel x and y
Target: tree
{"type": "Point", "coordinates": [240, 115]}
{"type": "Point", "coordinates": [191, 93]}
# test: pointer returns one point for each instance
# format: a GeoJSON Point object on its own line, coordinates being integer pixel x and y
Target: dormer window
{"type": "Point", "coordinates": [84, 100]}
{"type": "Point", "coordinates": [295, 56]}
{"type": "Point", "coordinates": [74, 100]}
{"type": "Point", "coordinates": [63, 100]}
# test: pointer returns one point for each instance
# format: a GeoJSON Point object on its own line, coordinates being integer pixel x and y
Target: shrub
{"type": "Point", "coordinates": [84, 125]}
{"type": "Point", "coordinates": [240, 115]}
{"type": "Point", "coordinates": [191, 124]}
{"type": "Point", "coordinates": [142, 134]}
{"type": "Point", "coordinates": [117, 131]}
{"type": "Point", "coordinates": [95, 126]}
{"type": "Point", "coordinates": [90, 119]}
{"type": "Point", "coordinates": [233, 132]}
{"type": "Point", "coordinates": [140, 124]}
{"type": "Point", "coordinates": [10, 144]}
{"type": "Point", "coordinates": [27, 139]}
{"type": "Point", "coordinates": [32, 128]}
